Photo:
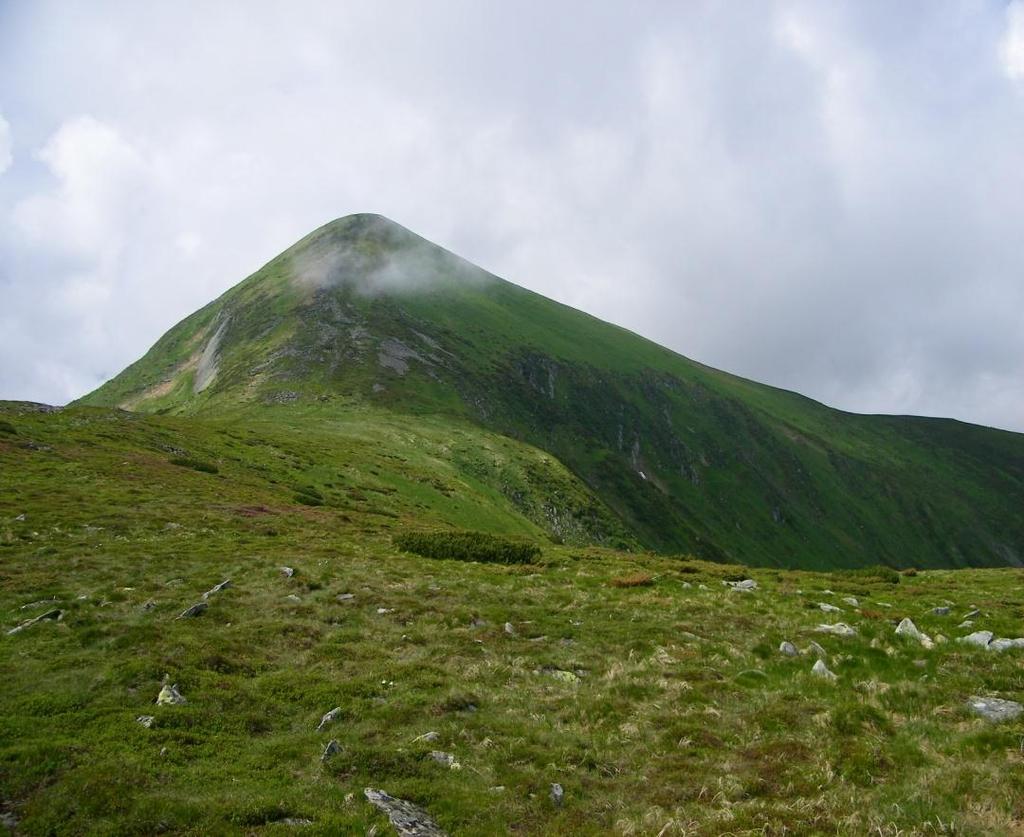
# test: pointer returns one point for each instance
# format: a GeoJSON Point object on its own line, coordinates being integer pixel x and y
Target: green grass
{"type": "Point", "coordinates": [660, 707]}
{"type": "Point", "coordinates": [683, 457]}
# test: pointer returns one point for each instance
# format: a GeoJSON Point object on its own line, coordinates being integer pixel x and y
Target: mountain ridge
{"type": "Point", "coordinates": [363, 311]}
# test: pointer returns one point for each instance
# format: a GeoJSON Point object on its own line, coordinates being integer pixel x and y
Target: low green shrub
{"type": "Point", "coordinates": [875, 573]}
{"type": "Point", "coordinates": [468, 546]}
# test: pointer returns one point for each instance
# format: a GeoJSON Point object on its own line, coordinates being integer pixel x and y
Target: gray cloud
{"type": "Point", "coordinates": [823, 196]}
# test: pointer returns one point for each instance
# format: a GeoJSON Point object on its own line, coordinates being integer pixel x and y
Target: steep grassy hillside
{"type": "Point", "coordinates": [651, 693]}
{"type": "Point", "coordinates": [364, 312]}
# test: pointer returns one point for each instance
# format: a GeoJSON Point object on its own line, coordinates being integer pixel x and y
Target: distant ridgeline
{"type": "Point", "coordinates": [362, 317]}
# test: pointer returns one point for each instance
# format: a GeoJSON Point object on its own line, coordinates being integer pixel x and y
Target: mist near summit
{"type": "Point", "coordinates": [823, 197]}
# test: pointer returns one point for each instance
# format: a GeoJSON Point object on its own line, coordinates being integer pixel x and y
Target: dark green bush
{"type": "Point", "coordinates": [468, 546]}
{"type": "Point", "coordinates": [195, 464]}
{"type": "Point", "coordinates": [875, 573]}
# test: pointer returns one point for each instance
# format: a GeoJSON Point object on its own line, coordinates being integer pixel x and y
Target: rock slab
{"type": "Point", "coordinates": [407, 819]}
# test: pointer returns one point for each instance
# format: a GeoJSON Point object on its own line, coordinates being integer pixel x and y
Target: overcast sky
{"type": "Point", "coordinates": [824, 196]}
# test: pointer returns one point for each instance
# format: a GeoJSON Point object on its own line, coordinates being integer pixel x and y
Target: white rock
{"type": "Point", "coordinates": [851, 601]}
{"type": "Point", "coordinates": [995, 709]}
{"type": "Point", "coordinates": [329, 718]}
{"type": "Point", "coordinates": [788, 649]}
{"type": "Point", "coordinates": [907, 628]}
{"type": "Point", "coordinates": [819, 669]}
{"type": "Point", "coordinates": [745, 586]}
{"type": "Point", "coordinates": [838, 629]}
{"type": "Point", "coordinates": [978, 638]}
{"type": "Point", "coordinates": [170, 696]}
{"type": "Point", "coordinates": [1003, 644]}
{"type": "Point", "coordinates": [829, 608]}
{"type": "Point", "coordinates": [817, 650]}
{"type": "Point", "coordinates": [967, 623]}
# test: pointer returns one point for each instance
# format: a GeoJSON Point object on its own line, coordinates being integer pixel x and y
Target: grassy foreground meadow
{"type": "Point", "coordinates": [654, 694]}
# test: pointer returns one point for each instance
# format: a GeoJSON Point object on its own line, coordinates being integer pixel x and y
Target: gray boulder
{"type": "Point", "coordinates": [407, 819]}
{"type": "Point", "coordinates": [995, 709]}
{"type": "Point", "coordinates": [819, 669]}
{"type": "Point", "coordinates": [981, 639]}
{"type": "Point", "coordinates": [557, 794]}
{"type": "Point", "coordinates": [217, 588]}
{"type": "Point", "coordinates": [196, 610]}
{"type": "Point", "coordinates": [54, 615]}
{"type": "Point", "coordinates": [788, 649]}
{"type": "Point", "coordinates": [329, 718]}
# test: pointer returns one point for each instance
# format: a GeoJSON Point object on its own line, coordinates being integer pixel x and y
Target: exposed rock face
{"type": "Point", "coordinates": [407, 819]}
{"type": "Point", "coordinates": [995, 709]}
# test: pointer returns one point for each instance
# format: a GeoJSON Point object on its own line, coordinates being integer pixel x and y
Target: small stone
{"type": "Point", "coordinates": [346, 597]}
{"type": "Point", "coordinates": [447, 759]}
{"type": "Point", "coordinates": [967, 623]}
{"type": "Point", "coordinates": [829, 608]}
{"type": "Point", "coordinates": [907, 628]}
{"type": "Point", "coordinates": [170, 696]}
{"type": "Point", "coordinates": [197, 609]}
{"type": "Point", "coordinates": [145, 720]}
{"type": "Point", "coordinates": [972, 613]}
{"type": "Point", "coordinates": [819, 669]}
{"type": "Point", "coordinates": [50, 615]}
{"type": "Point", "coordinates": [477, 622]}
{"type": "Point", "coordinates": [979, 638]}
{"type": "Point", "coordinates": [332, 749]}
{"type": "Point", "coordinates": [687, 585]}
{"type": "Point", "coordinates": [995, 709]}
{"type": "Point", "coordinates": [407, 819]}
{"type": "Point", "coordinates": [940, 611]}
{"type": "Point", "coordinates": [838, 629]}
{"type": "Point", "coordinates": [428, 737]}
{"type": "Point", "coordinates": [788, 649]}
{"type": "Point", "coordinates": [510, 629]}
{"type": "Point", "coordinates": [702, 587]}
{"type": "Point", "coordinates": [329, 718]}
{"type": "Point", "coordinates": [291, 597]}
{"type": "Point", "coordinates": [148, 606]}
{"type": "Point", "coordinates": [287, 572]}
{"type": "Point", "coordinates": [217, 588]}
{"type": "Point", "coordinates": [557, 794]}
{"type": "Point", "coordinates": [851, 601]}
{"type": "Point", "coordinates": [816, 650]}
{"type": "Point", "coordinates": [746, 586]}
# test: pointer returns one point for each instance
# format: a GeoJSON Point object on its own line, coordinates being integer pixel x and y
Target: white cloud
{"type": "Point", "coordinates": [6, 144]}
{"type": "Point", "coordinates": [1011, 48]}
{"type": "Point", "coordinates": [822, 196]}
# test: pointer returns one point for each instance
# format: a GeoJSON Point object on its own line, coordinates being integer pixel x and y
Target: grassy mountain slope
{"type": "Point", "coordinates": [364, 313]}
{"type": "Point", "coordinates": [650, 692]}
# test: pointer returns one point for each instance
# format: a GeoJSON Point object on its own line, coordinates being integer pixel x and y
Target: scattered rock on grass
{"type": "Point", "coordinates": [1002, 644]}
{"type": "Point", "coordinates": [428, 736]}
{"type": "Point", "coordinates": [510, 629]}
{"type": "Point", "coordinates": [907, 628]}
{"type": "Point", "coordinates": [838, 629]}
{"type": "Point", "coordinates": [145, 720]}
{"type": "Point", "coordinates": [170, 696]}
{"type": "Point", "coordinates": [851, 601]}
{"type": "Point", "coordinates": [197, 609]}
{"type": "Point", "coordinates": [346, 597]}
{"type": "Point", "coordinates": [829, 608]}
{"type": "Point", "coordinates": [557, 794]}
{"type": "Point", "coordinates": [819, 669]}
{"type": "Point", "coordinates": [447, 759]}
{"type": "Point", "coordinates": [995, 709]}
{"type": "Point", "coordinates": [748, 585]}
{"type": "Point", "coordinates": [217, 588]}
{"type": "Point", "coordinates": [407, 819]}
{"type": "Point", "coordinates": [979, 638]}
{"type": "Point", "coordinates": [332, 749]}
{"type": "Point", "coordinates": [940, 611]}
{"type": "Point", "coordinates": [329, 718]}
{"type": "Point", "coordinates": [788, 649]}
{"type": "Point", "coordinates": [287, 572]}
{"type": "Point", "coordinates": [54, 615]}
